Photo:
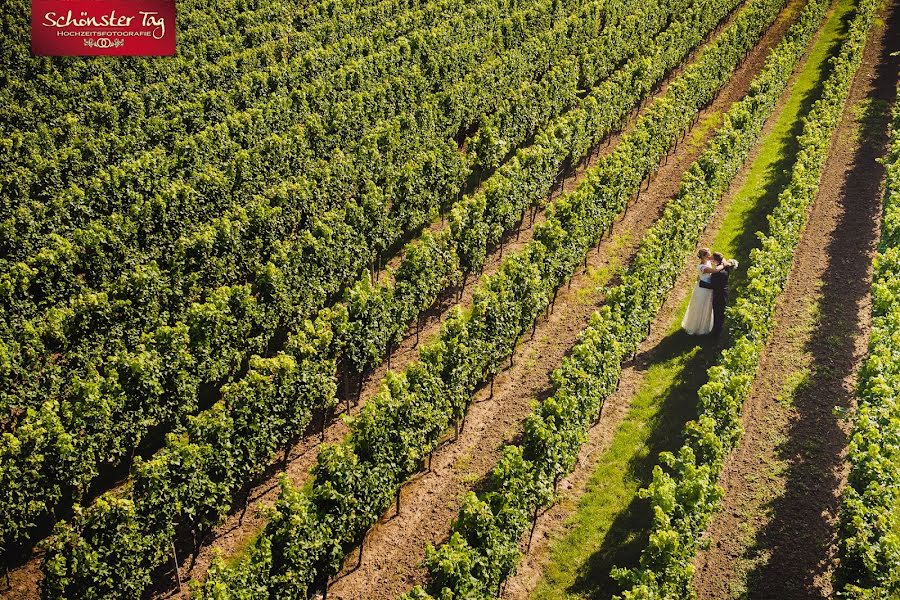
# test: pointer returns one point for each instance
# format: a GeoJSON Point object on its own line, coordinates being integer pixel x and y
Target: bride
{"type": "Point", "coordinates": [698, 320]}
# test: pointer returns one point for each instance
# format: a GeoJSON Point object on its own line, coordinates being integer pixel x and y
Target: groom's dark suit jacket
{"type": "Point", "coordinates": [719, 285]}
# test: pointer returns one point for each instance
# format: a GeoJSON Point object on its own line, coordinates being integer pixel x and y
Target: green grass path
{"type": "Point", "coordinates": [608, 526]}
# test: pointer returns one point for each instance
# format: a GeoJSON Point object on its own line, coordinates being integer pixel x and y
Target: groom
{"type": "Point", "coordinates": [719, 286]}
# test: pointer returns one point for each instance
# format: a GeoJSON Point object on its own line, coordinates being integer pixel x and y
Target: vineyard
{"type": "Point", "coordinates": [371, 299]}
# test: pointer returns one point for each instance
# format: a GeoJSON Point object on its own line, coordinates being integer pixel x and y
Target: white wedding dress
{"type": "Point", "coordinates": [698, 320]}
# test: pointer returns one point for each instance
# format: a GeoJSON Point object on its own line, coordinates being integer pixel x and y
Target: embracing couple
{"type": "Point", "coordinates": [706, 312]}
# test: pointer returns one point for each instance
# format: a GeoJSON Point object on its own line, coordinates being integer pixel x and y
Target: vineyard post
{"type": "Point", "coordinates": [399, 489]}
{"type": "Point", "coordinates": [177, 574]}
{"type": "Point", "coordinates": [131, 458]}
{"type": "Point", "coordinates": [533, 526]}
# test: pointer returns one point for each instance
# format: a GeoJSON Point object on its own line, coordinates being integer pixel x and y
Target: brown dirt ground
{"type": "Point", "coordinates": [394, 548]}
{"type": "Point", "coordinates": [775, 536]}
{"type": "Point", "coordinates": [550, 524]}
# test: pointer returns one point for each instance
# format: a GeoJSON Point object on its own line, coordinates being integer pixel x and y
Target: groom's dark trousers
{"type": "Point", "coordinates": [719, 286]}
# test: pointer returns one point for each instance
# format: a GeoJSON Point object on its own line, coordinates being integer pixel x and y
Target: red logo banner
{"type": "Point", "coordinates": [103, 27]}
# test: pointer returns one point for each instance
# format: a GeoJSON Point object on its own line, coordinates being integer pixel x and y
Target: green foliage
{"type": "Point", "coordinates": [181, 266]}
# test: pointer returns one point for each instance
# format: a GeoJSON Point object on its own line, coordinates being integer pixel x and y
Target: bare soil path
{"type": "Point", "coordinates": [776, 534]}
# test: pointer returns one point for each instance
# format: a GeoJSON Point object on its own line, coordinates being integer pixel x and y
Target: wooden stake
{"type": "Point", "coordinates": [177, 574]}
{"type": "Point", "coordinates": [346, 366]}
{"type": "Point", "coordinates": [533, 526]}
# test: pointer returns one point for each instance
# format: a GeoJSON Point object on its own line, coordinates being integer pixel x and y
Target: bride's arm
{"type": "Point", "coordinates": [715, 269]}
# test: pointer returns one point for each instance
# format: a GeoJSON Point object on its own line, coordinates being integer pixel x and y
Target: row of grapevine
{"type": "Point", "coordinates": [307, 116]}
{"type": "Point", "coordinates": [355, 481]}
{"type": "Point", "coordinates": [42, 161]}
{"type": "Point", "coordinates": [155, 383]}
{"type": "Point", "coordinates": [870, 546]}
{"type": "Point", "coordinates": [237, 36]}
{"type": "Point", "coordinates": [684, 496]}
{"type": "Point", "coordinates": [484, 546]}
{"type": "Point", "coordinates": [181, 476]}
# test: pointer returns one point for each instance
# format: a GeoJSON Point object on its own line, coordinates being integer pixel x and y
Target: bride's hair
{"type": "Point", "coordinates": [703, 253]}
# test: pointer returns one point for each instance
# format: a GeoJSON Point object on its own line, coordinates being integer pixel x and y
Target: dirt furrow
{"type": "Point", "coordinates": [551, 523]}
{"type": "Point", "coordinates": [394, 548]}
{"type": "Point", "coordinates": [775, 536]}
